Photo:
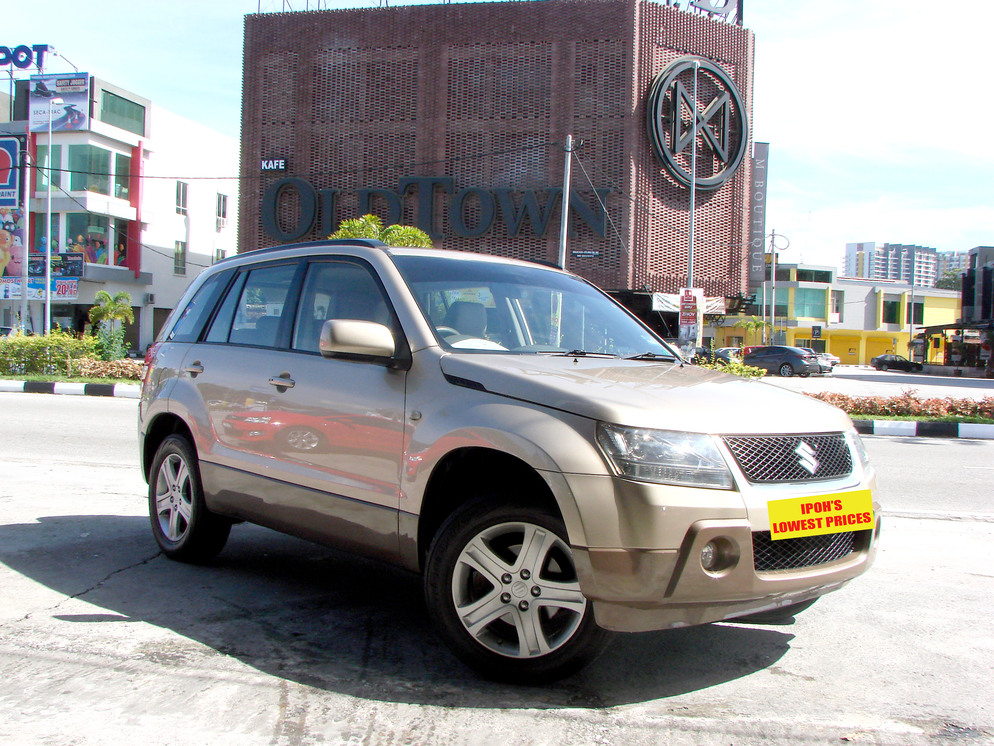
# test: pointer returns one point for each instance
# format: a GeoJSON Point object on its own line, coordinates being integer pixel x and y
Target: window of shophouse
{"type": "Point", "coordinates": [919, 314]}
{"type": "Point", "coordinates": [181, 189]}
{"type": "Point", "coordinates": [891, 312]}
{"type": "Point", "coordinates": [122, 176]}
{"type": "Point", "coordinates": [55, 167]}
{"type": "Point", "coordinates": [781, 304]}
{"type": "Point", "coordinates": [119, 234]}
{"type": "Point", "coordinates": [89, 168]}
{"type": "Point", "coordinates": [122, 113]}
{"type": "Point", "coordinates": [838, 304]}
{"type": "Point", "coordinates": [41, 236]}
{"type": "Point", "coordinates": [814, 275]}
{"type": "Point", "coordinates": [222, 211]}
{"type": "Point", "coordinates": [220, 254]}
{"type": "Point", "coordinates": [88, 234]}
{"type": "Point", "coordinates": [179, 258]}
{"type": "Point", "coordinates": [809, 303]}
{"type": "Point", "coordinates": [732, 341]}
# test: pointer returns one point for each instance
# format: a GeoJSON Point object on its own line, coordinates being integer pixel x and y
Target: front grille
{"type": "Point", "coordinates": [804, 551]}
{"type": "Point", "coordinates": [791, 458]}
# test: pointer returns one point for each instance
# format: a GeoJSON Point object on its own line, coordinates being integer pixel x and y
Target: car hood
{"type": "Point", "coordinates": [646, 394]}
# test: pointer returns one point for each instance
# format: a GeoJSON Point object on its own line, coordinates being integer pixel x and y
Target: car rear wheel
{"type": "Point", "coordinates": [786, 370]}
{"type": "Point", "coordinates": [503, 592]}
{"type": "Point", "coordinates": [181, 523]}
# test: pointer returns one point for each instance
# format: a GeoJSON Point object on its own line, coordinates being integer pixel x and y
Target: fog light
{"type": "Point", "coordinates": [719, 555]}
{"type": "Point", "coordinates": [710, 556]}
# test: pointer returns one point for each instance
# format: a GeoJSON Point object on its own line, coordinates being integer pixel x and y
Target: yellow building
{"type": "Point", "coordinates": [852, 318]}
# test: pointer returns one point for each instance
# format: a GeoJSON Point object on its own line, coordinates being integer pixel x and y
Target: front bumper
{"type": "Point", "coordinates": [643, 585]}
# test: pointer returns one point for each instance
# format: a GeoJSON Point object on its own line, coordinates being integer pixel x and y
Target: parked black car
{"type": "Point", "coordinates": [895, 362]}
{"type": "Point", "coordinates": [786, 361]}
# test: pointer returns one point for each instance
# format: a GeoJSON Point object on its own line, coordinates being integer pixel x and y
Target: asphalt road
{"type": "Point", "coordinates": [865, 381]}
{"type": "Point", "coordinates": [102, 640]}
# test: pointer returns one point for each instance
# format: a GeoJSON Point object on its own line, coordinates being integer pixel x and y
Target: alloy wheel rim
{"type": "Point", "coordinates": [174, 497]}
{"type": "Point", "coordinates": [516, 591]}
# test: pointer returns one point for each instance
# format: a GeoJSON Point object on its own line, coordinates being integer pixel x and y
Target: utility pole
{"type": "Point", "coordinates": [773, 279]}
{"type": "Point", "coordinates": [564, 222]}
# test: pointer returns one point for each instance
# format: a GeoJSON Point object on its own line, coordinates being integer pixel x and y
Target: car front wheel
{"type": "Point", "coordinates": [502, 590]}
{"type": "Point", "coordinates": [181, 523]}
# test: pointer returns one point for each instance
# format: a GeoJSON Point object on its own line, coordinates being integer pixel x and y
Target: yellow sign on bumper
{"type": "Point", "coordinates": [820, 514]}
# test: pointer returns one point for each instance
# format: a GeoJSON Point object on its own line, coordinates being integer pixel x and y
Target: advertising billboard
{"type": "Point", "coordinates": [13, 223]}
{"type": "Point", "coordinates": [62, 100]}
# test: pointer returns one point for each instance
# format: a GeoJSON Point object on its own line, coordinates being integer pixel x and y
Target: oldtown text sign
{"type": "Point", "coordinates": [471, 211]}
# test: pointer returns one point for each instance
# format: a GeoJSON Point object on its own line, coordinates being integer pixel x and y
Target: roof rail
{"type": "Point", "coordinates": [372, 243]}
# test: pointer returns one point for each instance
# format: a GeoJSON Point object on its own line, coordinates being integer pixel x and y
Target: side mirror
{"type": "Point", "coordinates": [351, 337]}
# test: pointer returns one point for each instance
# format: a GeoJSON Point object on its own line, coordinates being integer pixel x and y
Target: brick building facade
{"type": "Point", "coordinates": [454, 117]}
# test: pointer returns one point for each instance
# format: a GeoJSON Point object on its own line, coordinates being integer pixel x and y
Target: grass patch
{"type": "Point", "coordinates": [912, 418]}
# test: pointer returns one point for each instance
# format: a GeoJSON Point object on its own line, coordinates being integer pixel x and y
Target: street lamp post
{"type": "Point", "coordinates": [48, 223]}
{"type": "Point", "coordinates": [693, 180]}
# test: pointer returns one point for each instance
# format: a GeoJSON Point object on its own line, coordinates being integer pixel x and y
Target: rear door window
{"type": "Point", "coordinates": [252, 313]}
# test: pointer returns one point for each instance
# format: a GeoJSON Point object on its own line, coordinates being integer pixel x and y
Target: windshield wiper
{"type": "Point", "coordinates": [577, 353]}
{"type": "Point", "coordinates": [651, 356]}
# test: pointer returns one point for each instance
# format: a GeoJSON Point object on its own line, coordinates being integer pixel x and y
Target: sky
{"type": "Point", "coordinates": [878, 114]}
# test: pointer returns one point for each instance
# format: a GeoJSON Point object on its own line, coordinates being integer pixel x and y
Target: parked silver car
{"type": "Point", "coordinates": [551, 467]}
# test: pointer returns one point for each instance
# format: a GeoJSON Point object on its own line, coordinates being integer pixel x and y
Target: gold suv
{"type": "Point", "coordinates": [552, 468]}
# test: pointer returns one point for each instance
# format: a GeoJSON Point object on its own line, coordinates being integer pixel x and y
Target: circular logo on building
{"type": "Point", "coordinates": [673, 113]}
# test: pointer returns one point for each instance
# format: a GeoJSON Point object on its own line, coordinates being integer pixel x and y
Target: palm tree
{"type": "Point", "coordinates": [755, 324]}
{"type": "Point", "coordinates": [370, 226]}
{"type": "Point", "coordinates": [106, 314]}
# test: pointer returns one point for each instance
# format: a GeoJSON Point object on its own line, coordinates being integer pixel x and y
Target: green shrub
{"type": "Point", "coordinates": [735, 367]}
{"type": "Point", "coordinates": [123, 368]}
{"type": "Point", "coordinates": [908, 404]}
{"type": "Point", "coordinates": [52, 354]}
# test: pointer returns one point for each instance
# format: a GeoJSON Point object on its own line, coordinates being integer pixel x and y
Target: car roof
{"type": "Point", "coordinates": [316, 248]}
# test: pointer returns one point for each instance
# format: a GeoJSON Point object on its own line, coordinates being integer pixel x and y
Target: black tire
{"type": "Point", "coordinates": [786, 370]}
{"type": "Point", "coordinates": [476, 564]}
{"type": "Point", "coordinates": [882, 367]}
{"type": "Point", "coordinates": [783, 615]}
{"type": "Point", "coordinates": [182, 525]}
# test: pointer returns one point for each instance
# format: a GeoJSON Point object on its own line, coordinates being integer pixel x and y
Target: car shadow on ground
{"type": "Point", "coordinates": [329, 620]}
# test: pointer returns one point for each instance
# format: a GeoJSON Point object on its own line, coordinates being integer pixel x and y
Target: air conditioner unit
{"type": "Point", "coordinates": [149, 299]}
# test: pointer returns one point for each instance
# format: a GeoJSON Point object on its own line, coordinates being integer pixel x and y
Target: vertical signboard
{"type": "Point", "coordinates": [691, 319]}
{"type": "Point", "coordinates": [757, 214]}
{"type": "Point", "coordinates": [13, 222]}
{"type": "Point", "coordinates": [62, 100]}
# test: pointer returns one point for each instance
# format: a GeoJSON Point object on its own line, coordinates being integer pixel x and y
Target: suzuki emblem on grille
{"type": "Point", "coordinates": [806, 457]}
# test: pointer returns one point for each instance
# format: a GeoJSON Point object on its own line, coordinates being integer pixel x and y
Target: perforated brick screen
{"type": "Point", "coordinates": [484, 94]}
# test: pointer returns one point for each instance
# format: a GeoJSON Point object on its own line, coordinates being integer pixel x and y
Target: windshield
{"type": "Point", "coordinates": [486, 306]}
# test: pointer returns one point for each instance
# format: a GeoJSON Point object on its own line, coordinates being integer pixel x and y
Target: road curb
{"type": "Point", "coordinates": [124, 390]}
{"type": "Point", "coordinates": [910, 428]}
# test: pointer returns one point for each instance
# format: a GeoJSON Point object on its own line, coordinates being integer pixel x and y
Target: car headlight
{"type": "Point", "coordinates": [857, 443]}
{"type": "Point", "coordinates": [664, 456]}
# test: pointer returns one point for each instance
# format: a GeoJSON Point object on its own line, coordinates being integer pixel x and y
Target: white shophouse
{"type": "Point", "coordinates": [141, 200]}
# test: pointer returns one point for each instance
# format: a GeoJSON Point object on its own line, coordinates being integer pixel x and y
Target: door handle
{"type": "Point", "coordinates": [194, 369]}
{"type": "Point", "coordinates": [282, 381]}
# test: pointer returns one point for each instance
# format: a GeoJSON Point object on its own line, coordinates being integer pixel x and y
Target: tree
{"type": "Point", "coordinates": [753, 325]}
{"type": "Point", "coordinates": [106, 314]}
{"type": "Point", "coordinates": [370, 226]}
{"type": "Point", "coordinates": [951, 279]}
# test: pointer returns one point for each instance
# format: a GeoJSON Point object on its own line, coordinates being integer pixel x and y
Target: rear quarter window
{"type": "Point", "coordinates": [198, 310]}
